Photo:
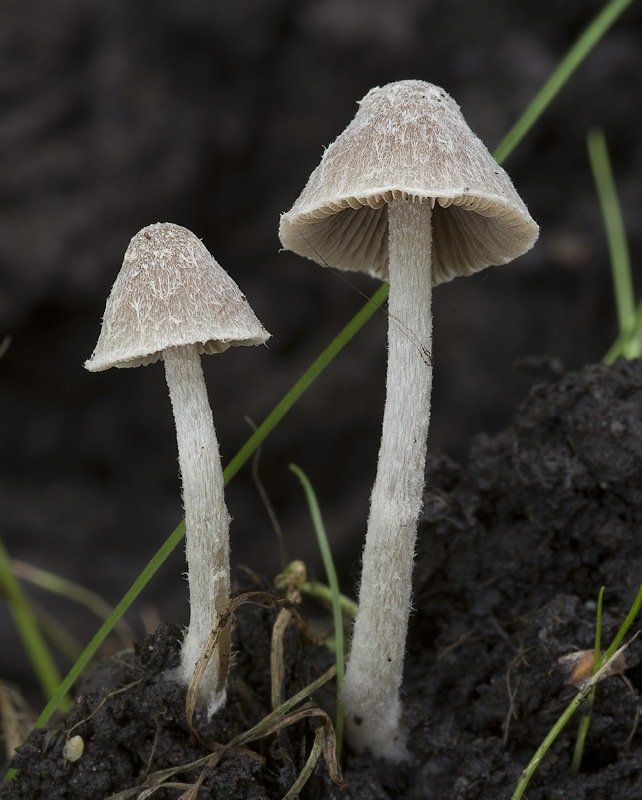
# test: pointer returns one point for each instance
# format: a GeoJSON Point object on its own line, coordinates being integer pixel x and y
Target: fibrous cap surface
{"type": "Point", "coordinates": [171, 292]}
{"type": "Point", "coordinates": [408, 140]}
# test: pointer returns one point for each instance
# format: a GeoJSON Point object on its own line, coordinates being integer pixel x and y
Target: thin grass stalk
{"type": "Point", "coordinates": [607, 660]}
{"type": "Point", "coordinates": [322, 592]}
{"type": "Point", "coordinates": [75, 592]}
{"type": "Point", "coordinates": [580, 742]}
{"type": "Point", "coordinates": [616, 237]}
{"type": "Point", "coordinates": [333, 581]}
{"type": "Point", "coordinates": [618, 346]}
{"type": "Point", "coordinates": [34, 643]}
{"type": "Point", "coordinates": [567, 66]}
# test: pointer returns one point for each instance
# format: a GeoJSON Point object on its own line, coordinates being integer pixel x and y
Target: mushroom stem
{"type": "Point", "coordinates": [207, 520]}
{"type": "Point", "coordinates": [374, 671]}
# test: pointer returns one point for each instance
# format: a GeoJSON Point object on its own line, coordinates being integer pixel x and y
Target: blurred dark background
{"type": "Point", "coordinates": [212, 115]}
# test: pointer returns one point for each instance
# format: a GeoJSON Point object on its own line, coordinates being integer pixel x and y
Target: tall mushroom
{"type": "Point", "coordinates": [410, 195]}
{"type": "Point", "coordinates": [172, 300]}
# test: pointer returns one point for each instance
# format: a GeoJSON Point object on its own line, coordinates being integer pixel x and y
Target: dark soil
{"type": "Point", "coordinates": [513, 550]}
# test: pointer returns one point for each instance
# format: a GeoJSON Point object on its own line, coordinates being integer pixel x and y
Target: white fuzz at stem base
{"type": "Point", "coordinates": [375, 666]}
{"type": "Point", "coordinates": [207, 520]}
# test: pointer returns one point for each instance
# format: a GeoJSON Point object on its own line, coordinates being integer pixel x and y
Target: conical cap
{"type": "Point", "coordinates": [408, 140]}
{"type": "Point", "coordinates": [171, 292]}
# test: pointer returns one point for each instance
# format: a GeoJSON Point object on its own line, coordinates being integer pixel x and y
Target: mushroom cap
{"type": "Point", "coordinates": [171, 292]}
{"type": "Point", "coordinates": [408, 140]}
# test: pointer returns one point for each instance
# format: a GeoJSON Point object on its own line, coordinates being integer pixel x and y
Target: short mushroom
{"type": "Point", "coordinates": [172, 300]}
{"type": "Point", "coordinates": [408, 194]}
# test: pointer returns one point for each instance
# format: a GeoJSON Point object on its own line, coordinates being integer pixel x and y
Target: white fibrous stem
{"type": "Point", "coordinates": [207, 520]}
{"type": "Point", "coordinates": [375, 666]}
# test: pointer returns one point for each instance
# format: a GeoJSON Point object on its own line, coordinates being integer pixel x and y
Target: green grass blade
{"type": "Point", "coordinates": [580, 742]}
{"type": "Point", "coordinates": [139, 584]}
{"type": "Point", "coordinates": [604, 663]}
{"type": "Point", "coordinates": [635, 608]}
{"type": "Point", "coordinates": [616, 237]}
{"type": "Point", "coordinates": [314, 588]}
{"type": "Point", "coordinates": [305, 381]}
{"type": "Point", "coordinates": [598, 631]}
{"type": "Point", "coordinates": [567, 66]}
{"type": "Point", "coordinates": [575, 703]}
{"type": "Point", "coordinates": [331, 574]}
{"type": "Point", "coordinates": [619, 345]}
{"type": "Point", "coordinates": [105, 629]}
{"type": "Point", "coordinates": [75, 592]}
{"type": "Point", "coordinates": [322, 592]}
{"type": "Point", "coordinates": [34, 643]}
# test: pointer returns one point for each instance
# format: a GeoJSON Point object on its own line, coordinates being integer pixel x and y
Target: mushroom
{"type": "Point", "coordinates": [408, 194]}
{"type": "Point", "coordinates": [172, 301]}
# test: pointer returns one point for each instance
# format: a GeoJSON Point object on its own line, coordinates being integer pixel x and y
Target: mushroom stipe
{"type": "Point", "coordinates": [408, 194]}
{"type": "Point", "coordinates": [173, 301]}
